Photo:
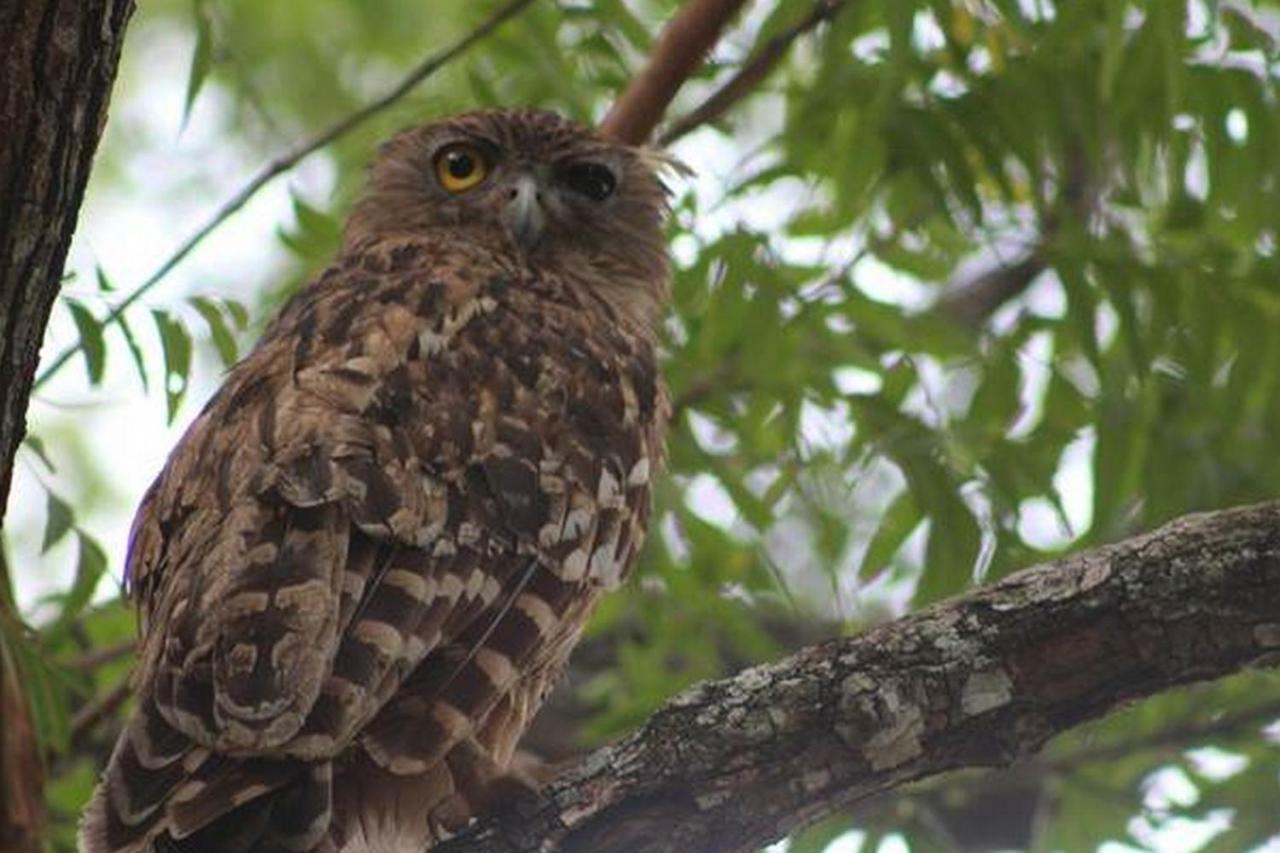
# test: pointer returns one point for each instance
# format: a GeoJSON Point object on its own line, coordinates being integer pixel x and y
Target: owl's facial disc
{"type": "Point", "coordinates": [523, 214]}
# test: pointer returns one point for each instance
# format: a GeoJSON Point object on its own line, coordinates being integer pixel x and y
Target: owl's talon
{"type": "Point", "coordinates": [450, 817]}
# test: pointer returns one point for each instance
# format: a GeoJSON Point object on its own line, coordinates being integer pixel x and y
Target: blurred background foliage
{"type": "Point", "coordinates": [963, 285]}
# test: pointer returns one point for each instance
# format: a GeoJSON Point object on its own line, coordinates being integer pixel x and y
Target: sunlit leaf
{"type": "Point", "coordinates": [223, 338]}
{"type": "Point", "coordinates": [176, 345]}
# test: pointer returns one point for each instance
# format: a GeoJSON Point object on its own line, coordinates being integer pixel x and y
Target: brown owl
{"type": "Point", "coordinates": [366, 562]}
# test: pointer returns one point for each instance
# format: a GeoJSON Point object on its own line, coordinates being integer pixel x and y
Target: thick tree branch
{"type": "Point", "coordinates": [981, 680]}
{"type": "Point", "coordinates": [680, 49]}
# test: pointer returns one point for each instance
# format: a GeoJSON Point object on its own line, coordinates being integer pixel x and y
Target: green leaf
{"type": "Point", "coordinates": [201, 58]}
{"type": "Point", "coordinates": [896, 524]}
{"type": "Point", "coordinates": [315, 222]}
{"type": "Point", "coordinates": [91, 343]}
{"type": "Point", "coordinates": [59, 521]}
{"type": "Point", "coordinates": [90, 567]}
{"type": "Point", "coordinates": [239, 314]}
{"type": "Point", "coordinates": [36, 444]}
{"type": "Point", "coordinates": [223, 338]}
{"type": "Point", "coordinates": [104, 283]}
{"type": "Point", "coordinates": [176, 344]}
{"type": "Point", "coordinates": [135, 351]}
{"type": "Point", "coordinates": [952, 548]}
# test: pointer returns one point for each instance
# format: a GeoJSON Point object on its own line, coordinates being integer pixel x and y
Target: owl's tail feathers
{"type": "Point", "coordinates": [150, 760]}
{"type": "Point", "coordinates": [162, 791]}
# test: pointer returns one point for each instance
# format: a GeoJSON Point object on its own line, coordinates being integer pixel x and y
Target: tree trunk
{"type": "Point", "coordinates": [978, 681]}
{"type": "Point", "coordinates": [58, 59]}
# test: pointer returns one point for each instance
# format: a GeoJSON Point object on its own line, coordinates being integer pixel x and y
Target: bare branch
{"type": "Point", "coordinates": [757, 67]}
{"type": "Point", "coordinates": [982, 680]}
{"type": "Point", "coordinates": [291, 158]}
{"type": "Point", "coordinates": [22, 812]}
{"type": "Point", "coordinates": [88, 717]}
{"type": "Point", "coordinates": [95, 658]}
{"type": "Point", "coordinates": [680, 49]}
{"type": "Point", "coordinates": [972, 302]}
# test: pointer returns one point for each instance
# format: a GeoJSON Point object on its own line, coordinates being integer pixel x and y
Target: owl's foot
{"type": "Point", "coordinates": [482, 788]}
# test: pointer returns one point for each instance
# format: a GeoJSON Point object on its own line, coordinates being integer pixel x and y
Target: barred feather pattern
{"type": "Point", "coordinates": [366, 562]}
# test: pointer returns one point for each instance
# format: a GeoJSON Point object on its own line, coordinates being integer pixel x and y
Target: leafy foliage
{"type": "Point", "coordinates": [962, 286]}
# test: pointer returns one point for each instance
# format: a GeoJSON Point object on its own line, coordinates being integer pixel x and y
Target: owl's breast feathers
{"type": "Point", "coordinates": [381, 537]}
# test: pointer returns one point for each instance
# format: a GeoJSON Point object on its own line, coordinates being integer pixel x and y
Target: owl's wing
{"type": "Point", "coordinates": [289, 562]}
{"type": "Point", "coordinates": [267, 556]}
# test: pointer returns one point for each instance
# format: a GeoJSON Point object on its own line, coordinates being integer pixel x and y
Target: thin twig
{"type": "Point", "coordinates": [91, 660]}
{"type": "Point", "coordinates": [970, 304]}
{"type": "Point", "coordinates": [680, 49]}
{"type": "Point", "coordinates": [88, 717]}
{"type": "Point", "coordinates": [757, 67]}
{"type": "Point", "coordinates": [291, 158]}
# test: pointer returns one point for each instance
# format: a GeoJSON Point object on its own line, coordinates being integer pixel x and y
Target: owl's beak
{"type": "Point", "coordinates": [523, 216]}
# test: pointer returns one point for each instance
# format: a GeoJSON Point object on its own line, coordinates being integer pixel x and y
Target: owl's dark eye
{"type": "Point", "coordinates": [593, 180]}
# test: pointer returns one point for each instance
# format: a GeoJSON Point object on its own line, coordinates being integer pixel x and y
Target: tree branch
{"type": "Point", "coordinates": [981, 680]}
{"type": "Point", "coordinates": [757, 67]}
{"type": "Point", "coordinates": [971, 303]}
{"type": "Point", "coordinates": [291, 158]}
{"type": "Point", "coordinates": [680, 49]}
{"type": "Point", "coordinates": [58, 60]}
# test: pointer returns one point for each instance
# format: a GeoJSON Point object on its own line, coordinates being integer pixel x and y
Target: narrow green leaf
{"type": "Point", "coordinates": [223, 339]}
{"type": "Point", "coordinates": [104, 283]}
{"type": "Point", "coordinates": [176, 344]}
{"type": "Point", "coordinates": [896, 524]}
{"type": "Point", "coordinates": [135, 351]}
{"type": "Point", "coordinates": [239, 314]}
{"type": "Point", "coordinates": [91, 343]}
{"type": "Point", "coordinates": [89, 570]}
{"type": "Point", "coordinates": [315, 222]}
{"type": "Point", "coordinates": [952, 548]}
{"type": "Point", "coordinates": [58, 521]}
{"type": "Point", "coordinates": [201, 59]}
{"type": "Point", "coordinates": [91, 565]}
{"type": "Point", "coordinates": [36, 443]}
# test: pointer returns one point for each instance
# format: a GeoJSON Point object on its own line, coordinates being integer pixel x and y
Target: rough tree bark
{"type": "Point", "coordinates": [978, 681]}
{"type": "Point", "coordinates": [58, 60]}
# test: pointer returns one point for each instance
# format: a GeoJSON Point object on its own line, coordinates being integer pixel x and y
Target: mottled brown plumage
{"type": "Point", "coordinates": [365, 564]}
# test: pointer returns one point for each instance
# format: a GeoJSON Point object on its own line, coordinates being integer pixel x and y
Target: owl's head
{"type": "Point", "coordinates": [528, 182]}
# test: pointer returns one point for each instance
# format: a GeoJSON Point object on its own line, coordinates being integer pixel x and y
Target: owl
{"type": "Point", "coordinates": [366, 562]}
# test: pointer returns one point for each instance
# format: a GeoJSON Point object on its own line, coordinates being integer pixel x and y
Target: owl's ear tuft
{"type": "Point", "coordinates": [663, 163]}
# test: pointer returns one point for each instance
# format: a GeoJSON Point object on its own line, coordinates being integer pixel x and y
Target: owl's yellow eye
{"type": "Point", "coordinates": [461, 166]}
